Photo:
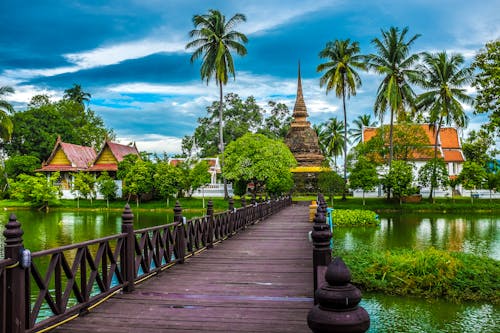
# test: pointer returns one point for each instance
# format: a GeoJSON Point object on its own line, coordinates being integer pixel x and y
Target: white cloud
{"type": "Point", "coordinates": [23, 94]}
{"type": "Point", "coordinates": [155, 143]}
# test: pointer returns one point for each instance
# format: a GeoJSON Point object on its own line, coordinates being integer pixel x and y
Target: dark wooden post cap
{"type": "Point", "coordinates": [13, 232]}
{"type": "Point", "coordinates": [127, 215]}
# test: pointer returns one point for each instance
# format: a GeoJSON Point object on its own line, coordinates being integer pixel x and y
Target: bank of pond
{"type": "Point", "coordinates": [418, 272]}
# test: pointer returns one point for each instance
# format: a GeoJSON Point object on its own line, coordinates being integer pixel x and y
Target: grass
{"type": "Point", "coordinates": [429, 273]}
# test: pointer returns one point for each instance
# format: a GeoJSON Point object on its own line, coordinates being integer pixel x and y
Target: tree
{"type": "Point", "coordinates": [107, 187]}
{"type": "Point", "coordinates": [138, 180]}
{"type": "Point", "coordinates": [479, 147]}
{"type": "Point", "coordinates": [199, 175]}
{"type": "Point", "coordinates": [399, 179]}
{"type": "Point", "coordinates": [6, 125]}
{"type": "Point", "coordinates": [214, 40]}
{"type": "Point", "coordinates": [487, 82]}
{"type": "Point", "coordinates": [277, 124]}
{"type": "Point", "coordinates": [330, 183]}
{"type": "Point", "coordinates": [257, 159]}
{"type": "Point", "coordinates": [341, 76]}
{"type": "Point", "coordinates": [443, 77]}
{"type": "Point", "coordinates": [77, 94]}
{"type": "Point", "coordinates": [83, 185]}
{"type": "Point", "coordinates": [363, 175]}
{"type": "Point", "coordinates": [361, 122]}
{"type": "Point", "coordinates": [39, 189]}
{"type": "Point", "coordinates": [331, 139]}
{"type": "Point", "coordinates": [434, 174]}
{"type": "Point", "coordinates": [395, 63]}
{"type": "Point", "coordinates": [22, 164]}
{"type": "Point", "coordinates": [492, 181]}
{"type": "Point", "coordinates": [38, 127]}
{"type": "Point", "coordinates": [473, 176]}
{"type": "Point", "coordinates": [167, 179]}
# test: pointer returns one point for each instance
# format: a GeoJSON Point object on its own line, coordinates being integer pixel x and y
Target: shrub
{"type": "Point", "coordinates": [354, 217]}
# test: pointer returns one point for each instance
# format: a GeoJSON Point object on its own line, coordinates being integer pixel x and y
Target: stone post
{"type": "Point", "coordinates": [210, 230]}
{"type": "Point", "coordinates": [16, 315]}
{"type": "Point", "coordinates": [338, 309]}
{"type": "Point", "coordinates": [321, 236]}
{"type": "Point", "coordinates": [180, 234]}
{"type": "Point", "coordinates": [128, 254]}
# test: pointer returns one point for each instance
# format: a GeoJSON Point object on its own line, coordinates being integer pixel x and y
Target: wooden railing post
{"type": "Point", "coordinates": [128, 258]}
{"type": "Point", "coordinates": [210, 214]}
{"type": "Point", "coordinates": [243, 201]}
{"type": "Point", "coordinates": [231, 217]}
{"type": "Point", "coordinates": [17, 315]}
{"type": "Point", "coordinates": [322, 256]}
{"type": "Point", "coordinates": [181, 238]}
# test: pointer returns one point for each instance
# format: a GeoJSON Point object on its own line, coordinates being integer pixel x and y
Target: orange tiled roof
{"type": "Point", "coordinates": [448, 139]}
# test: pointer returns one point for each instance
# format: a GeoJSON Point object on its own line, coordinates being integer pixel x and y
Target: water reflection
{"type": "Point", "coordinates": [478, 235]}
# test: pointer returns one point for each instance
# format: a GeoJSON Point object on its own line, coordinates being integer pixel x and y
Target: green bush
{"type": "Point", "coordinates": [354, 217]}
{"type": "Point", "coordinates": [429, 273]}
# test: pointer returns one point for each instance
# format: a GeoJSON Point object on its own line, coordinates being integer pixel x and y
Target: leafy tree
{"type": "Point", "coordinates": [363, 175]}
{"type": "Point", "coordinates": [199, 175]}
{"type": "Point", "coordinates": [487, 82]}
{"type": "Point", "coordinates": [443, 77]}
{"type": "Point", "coordinates": [83, 185]}
{"type": "Point", "coordinates": [472, 176]}
{"type": "Point", "coordinates": [399, 179]}
{"type": "Point", "coordinates": [214, 40]}
{"type": "Point", "coordinates": [138, 180]}
{"type": "Point", "coordinates": [330, 183]}
{"type": "Point", "coordinates": [37, 128]}
{"type": "Point", "coordinates": [362, 121]}
{"type": "Point", "coordinates": [167, 180]}
{"type": "Point", "coordinates": [340, 75]}
{"type": "Point", "coordinates": [258, 159]}
{"type": "Point", "coordinates": [395, 63]}
{"type": "Point", "coordinates": [434, 174]}
{"type": "Point", "coordinates": [107, 187]}
{"type": "Point", "coordinates": [39, 190]}
{"type": "Point", "coordinates": [479, 147]}
{"type": "Point", "coordinates": [277, 124]}
{"type": "Point", "coordinates": [280, 184]}
{"type": "Point", "coordinates": [22, 164]}
{"type": "Point", "coordinates": [492, 181]}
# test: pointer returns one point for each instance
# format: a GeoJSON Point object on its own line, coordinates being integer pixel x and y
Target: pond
{"type": "Point", "coordinates": [476, 234]}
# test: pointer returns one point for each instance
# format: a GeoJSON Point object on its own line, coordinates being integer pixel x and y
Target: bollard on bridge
{"type": "Point", "coordinates": [338, 309]}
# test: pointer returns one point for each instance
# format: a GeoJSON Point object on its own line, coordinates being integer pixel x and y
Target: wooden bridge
{"type": "Point", "coordinates": [244, 270]}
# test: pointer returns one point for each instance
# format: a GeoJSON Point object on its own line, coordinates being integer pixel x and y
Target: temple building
{"type": "Point", "coordinates": [303, 143]}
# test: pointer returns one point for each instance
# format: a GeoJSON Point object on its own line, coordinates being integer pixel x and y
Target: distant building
{"type": "Point", "coordinates": [67, 159]}
{"type": "Point", "coordinates": [449, 148]}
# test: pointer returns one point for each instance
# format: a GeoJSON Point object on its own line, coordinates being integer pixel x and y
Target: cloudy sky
{"type": "Point", "coordinates": [130, 54]}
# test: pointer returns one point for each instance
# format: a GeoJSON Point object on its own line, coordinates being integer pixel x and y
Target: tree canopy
{"type": "Point", "coordinates": [258, 159]}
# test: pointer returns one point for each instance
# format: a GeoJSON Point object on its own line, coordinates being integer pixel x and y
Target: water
{"type": "Point", "coordinates": [475, 234]}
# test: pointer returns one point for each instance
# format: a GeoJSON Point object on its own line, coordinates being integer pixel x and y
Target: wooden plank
{"type": "Point", "coordinates": [259, 280]}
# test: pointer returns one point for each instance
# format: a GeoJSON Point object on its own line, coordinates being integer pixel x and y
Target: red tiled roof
{"type": "Point", "coordinates": [120, 151]}
{"type": "Point", "coordinates": [80, 156]}
{"type": "Point", "coordinates": [454, 155]}
{"type": "Point", "coordinates": [104, 167]}
{"type": "Point", "coordinates": [57, 167]}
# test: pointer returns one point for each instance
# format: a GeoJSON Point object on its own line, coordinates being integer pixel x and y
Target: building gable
{"type": "Point", "coordinates": [60, 158]}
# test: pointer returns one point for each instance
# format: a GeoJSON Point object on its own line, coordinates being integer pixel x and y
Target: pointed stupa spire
{"type": "Point", "coordinates": [299, 110]}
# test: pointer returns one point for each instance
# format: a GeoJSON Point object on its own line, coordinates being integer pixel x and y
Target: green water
{"type": "Point", "coordinates": [476, 234]}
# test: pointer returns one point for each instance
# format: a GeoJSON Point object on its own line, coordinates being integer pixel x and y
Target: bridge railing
{"type": "Point", "coordinates": [49, 287]}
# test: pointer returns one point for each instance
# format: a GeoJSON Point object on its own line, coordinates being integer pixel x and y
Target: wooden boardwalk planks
{"type": "Point", "coordinates": [257, 281]}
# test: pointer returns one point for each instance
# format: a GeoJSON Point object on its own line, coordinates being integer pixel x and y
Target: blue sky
{"type": "Point", "coordinates": [130, 55]}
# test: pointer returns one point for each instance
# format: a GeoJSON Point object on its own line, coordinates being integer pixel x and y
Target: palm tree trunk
{"type": "Point", "coordinates": [391, 147]}
{"type": "Point", "coordinates": [221, 139]}
{"type": "Point", "coordinates": [434, 165]}
{"type": "Point", "coordinates": [345, 143]}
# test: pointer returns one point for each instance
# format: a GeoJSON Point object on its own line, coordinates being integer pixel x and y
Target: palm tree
{"type": "Point", "coordinates": [359, 123]}
{"type": "Point", "coordinates": [214, 41]}
{"type": "Point", "coordinates": [394, 61]}
{"type": "Point", "coordinates": [331, 138]}
{"type": "Point", "coordinates": [77, 94]}
{"type": "Point", "coordinates": [6, 125]}
{"type": "Point", "coordinates": [443, 77]}
{"type": "Point", "coordinates": [340, 75]}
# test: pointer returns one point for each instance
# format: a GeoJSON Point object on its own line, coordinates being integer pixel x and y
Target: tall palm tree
{"type": "Point", "coordinates": [77, 94]}
{"type": "Point", "coordinates": [214, 41]}
{"type": "Point", "coordinates": [362, 121]}
{"type": "Point", "coordinates": [394, 61]}
{"type": "Point", "coordinates": [331, 138]}
{"type": "Point", "coordinates": [443, 78]}
{"type": "Point", "coordinates": [6, 125]}
{"type": "Point", "coordinates": [340, 75]}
